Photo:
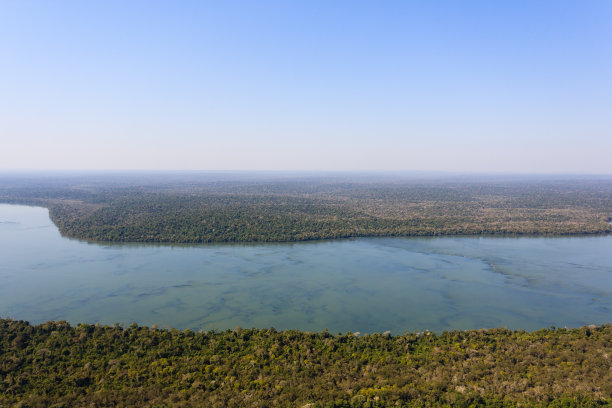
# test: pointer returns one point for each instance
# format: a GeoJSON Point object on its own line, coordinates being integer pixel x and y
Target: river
{"type": "Point", "coordinates": [365, 285]}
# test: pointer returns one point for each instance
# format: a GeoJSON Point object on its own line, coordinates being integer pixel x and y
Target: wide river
{"type": "Point", "coordinates": [365, 285]}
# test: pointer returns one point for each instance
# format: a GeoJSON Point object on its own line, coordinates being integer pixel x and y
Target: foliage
{"type": "Point", "coordinates": [200, 210]}
{"type": "Point", "coordinates": [54, 364]}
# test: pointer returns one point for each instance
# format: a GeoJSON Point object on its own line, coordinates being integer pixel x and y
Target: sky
{"type": "Point", "coordinates": [460, 86]}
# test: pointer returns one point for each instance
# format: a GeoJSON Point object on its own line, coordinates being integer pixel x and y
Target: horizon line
{"type": "Point", "coordinates": [314, 171]}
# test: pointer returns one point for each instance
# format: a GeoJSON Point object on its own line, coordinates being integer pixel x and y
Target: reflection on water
{"type": "Point", "coordinates": [365, 285]}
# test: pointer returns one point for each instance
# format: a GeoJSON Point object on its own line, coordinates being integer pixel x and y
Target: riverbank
{"type": "Point", "coordinates": [55, 363]}
{"type": "Point", "coordinates": [118, 208]}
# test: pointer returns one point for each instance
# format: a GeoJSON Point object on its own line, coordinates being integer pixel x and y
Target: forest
{"type": "Point", "coordinates": [58, 365]}
{"type": "Point", "coordinates": [232, 208]}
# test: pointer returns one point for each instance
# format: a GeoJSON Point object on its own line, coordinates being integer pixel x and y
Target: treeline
{"type": "Point", "coordinates": [297, 210]}
{"type": "Point", "coordinates": [56, 365]}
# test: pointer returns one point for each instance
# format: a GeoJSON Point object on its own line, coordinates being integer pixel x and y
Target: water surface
{"type": "Point", "coordinates": [366, 285]}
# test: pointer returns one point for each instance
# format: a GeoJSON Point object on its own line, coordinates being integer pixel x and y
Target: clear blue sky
{"type": "Point", "coordinates": [486, 86]}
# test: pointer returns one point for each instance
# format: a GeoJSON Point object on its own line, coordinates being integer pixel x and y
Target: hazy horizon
{"type": "Point", "coordinates": [508, 88]}
{"type": "Point", "coordinates": [315, 174]}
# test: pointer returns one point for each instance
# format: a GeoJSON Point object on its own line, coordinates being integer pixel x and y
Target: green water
{"type": "Point", "coordinates": [365, 285]}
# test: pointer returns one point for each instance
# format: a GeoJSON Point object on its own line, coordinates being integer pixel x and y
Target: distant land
{"type": "Point", "coordinates": [191, 207]}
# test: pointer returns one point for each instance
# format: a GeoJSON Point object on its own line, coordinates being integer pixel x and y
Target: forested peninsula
{"type": "Point", "coordinates": [200, 208]}
{"type": "Point", "coordinates": [58, 365]}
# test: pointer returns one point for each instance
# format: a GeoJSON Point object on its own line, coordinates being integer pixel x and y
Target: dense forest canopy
{"type": "Point", "coordinates": [209, 207]}
{"type": "Point", "coordinates": [54, 364]}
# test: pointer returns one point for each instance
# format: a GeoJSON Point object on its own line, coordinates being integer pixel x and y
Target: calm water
{"type": "Point", "coordinates": [365, 285]}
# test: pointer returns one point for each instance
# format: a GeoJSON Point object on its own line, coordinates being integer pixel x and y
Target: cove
{"type": "Point", "coordinates": [365, 285]}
